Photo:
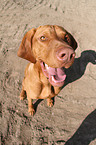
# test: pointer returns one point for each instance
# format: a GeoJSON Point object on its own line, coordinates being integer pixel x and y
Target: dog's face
{"type": "Point", "coordinates": [53, 47]}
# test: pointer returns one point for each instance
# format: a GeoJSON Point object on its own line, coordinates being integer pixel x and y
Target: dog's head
{"type": "Point", "coordinates": [51, 45]}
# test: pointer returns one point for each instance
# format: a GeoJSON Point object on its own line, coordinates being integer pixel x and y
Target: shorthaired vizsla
{"type": "Point", "coordinates": [49, 48]}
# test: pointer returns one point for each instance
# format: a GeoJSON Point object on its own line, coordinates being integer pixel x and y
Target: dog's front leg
{"type": "Point", "coordinates": [54, 92]}
{"type": "Point", "coordinates": [31, 109]}
{"type": "Point", "coordinates": [50, 102]}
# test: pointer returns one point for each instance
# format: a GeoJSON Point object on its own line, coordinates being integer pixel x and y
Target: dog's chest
{"type": "Point", "coordinates": [44, 80]}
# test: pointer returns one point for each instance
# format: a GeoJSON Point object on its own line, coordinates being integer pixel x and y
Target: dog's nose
{"type": "Point", "coordinates": [65, 54]}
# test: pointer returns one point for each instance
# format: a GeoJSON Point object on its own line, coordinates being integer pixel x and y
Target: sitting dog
{"type": "Point", "coordinates": [49, 48]}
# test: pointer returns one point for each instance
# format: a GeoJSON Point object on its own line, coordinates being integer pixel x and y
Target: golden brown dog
{"type": "Point", "coordinates": [49, 48]}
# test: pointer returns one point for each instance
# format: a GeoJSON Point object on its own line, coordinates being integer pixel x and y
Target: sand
{"type": "Point", "coordinates": [72, 119]}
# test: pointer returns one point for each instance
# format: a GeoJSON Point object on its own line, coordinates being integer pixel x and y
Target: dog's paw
{"type": "Point", "coordinates": [50, 102]}
{"type": "Point", "coordinates": [31, 111]}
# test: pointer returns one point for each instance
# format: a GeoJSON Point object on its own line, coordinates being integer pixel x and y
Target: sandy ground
{"type": "Point", "coordinates": [72, 120]}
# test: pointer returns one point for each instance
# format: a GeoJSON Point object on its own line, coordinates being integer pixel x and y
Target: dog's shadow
{"type": "Point", "coordinates": [77, 70]}
{"type": "Point", "coordinates": [87, 130]}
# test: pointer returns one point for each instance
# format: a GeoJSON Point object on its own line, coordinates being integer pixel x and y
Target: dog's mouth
{"type": "Point", "coordinates": [56, 76]}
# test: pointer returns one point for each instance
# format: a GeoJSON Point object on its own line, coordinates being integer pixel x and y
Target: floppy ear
{"type": "Point", "coordinates": [73, 41]}
{"type": "Point", "coordinates": [25, 49]}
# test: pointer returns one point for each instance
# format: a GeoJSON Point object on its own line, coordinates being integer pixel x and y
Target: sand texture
{"type": "Point", "coordinates": [72, 119]}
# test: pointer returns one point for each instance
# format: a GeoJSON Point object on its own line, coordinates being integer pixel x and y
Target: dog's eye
{"type": "Point", "coordinates": [43, 38]}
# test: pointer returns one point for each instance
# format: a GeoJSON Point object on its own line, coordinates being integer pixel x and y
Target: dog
{"type": "Point", "coordinates": [50, 49]}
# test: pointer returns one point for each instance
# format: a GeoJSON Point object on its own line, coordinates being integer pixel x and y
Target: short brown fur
{"type": "Point", "coordinates": [35, 84]}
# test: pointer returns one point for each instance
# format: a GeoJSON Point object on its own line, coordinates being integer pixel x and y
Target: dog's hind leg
{"type": "Point", "coordinates": [23, 93]}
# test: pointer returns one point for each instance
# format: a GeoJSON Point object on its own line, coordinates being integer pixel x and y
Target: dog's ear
{"type": "Point", "coordinates": [73, 42]}
{"type": "Point", "coordinates": [25, 49]}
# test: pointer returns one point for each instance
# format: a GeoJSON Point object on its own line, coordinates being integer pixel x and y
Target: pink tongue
{"type": "Point", "coordinates": [58, 73]}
